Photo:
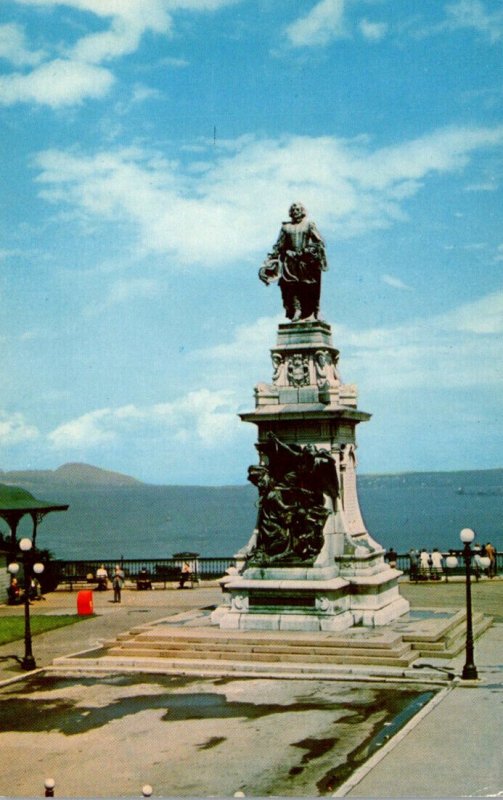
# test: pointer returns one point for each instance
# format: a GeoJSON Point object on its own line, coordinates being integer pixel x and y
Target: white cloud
{"type": "Point", "coordinates": [125, 291]}
{"type": "Point", "coordinates": [150, 10]}
{"type": "Point", "coordinates": [173, 63]}
{"type": "Point", "coordinates": [473, 14]}
{"type": "Point", "coordinates": [203, 418]}
{"type": "Point", "coordinates": [89, 430]}
{"type": "Point", "coordinates": [484, 316]}
{"type": "Point", "coordinates": [14, 253]}
{"type": "Point", "coordinates": [207, 214]}
{"type": "Point", "coordinates": [154, 15]}
{"type": "Point", "coordinates": [79, 74]}
{"type": "Point", "coordinates": [445, 150]}
{"type": "Point", "coordinates": [122, 39]}
{"type": "Point", "coordinates": [56, 83]}
{"type": "Point", "coordinates": [489, 185]}
{"type": "Point", "coordinates": [459, 349]}
{"type": "Point", "coordinates": [248, 339]}
{"type": "Point", "coordinates": [142, 93]}
{"type": "Point", "coordinates": [396, 283]}
{"type": "Point", "coordinates": [326, 21]}
{"type": "Point", "coordinates": [139, 94]}
{"type": "Point", "coordinates": [373, 31]}
{"type": "Point", "coordinates": [30, 336]}
{"type": "Point", "coordinates": [320, 26]}
{"type": "Point", "coordinates": [477, 16]}
{"type": "Point", "coordinates": [129, 22]}
{"type": "Point", "coordinates": [14, 429]}
{"type": "Point", "coordinates": [14, 46]}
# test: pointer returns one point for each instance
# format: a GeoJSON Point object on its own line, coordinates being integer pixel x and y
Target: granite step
{"type": "Point", "coordinates": [253, 669]}
{"type": "Point", "coordinates": [236, 648]}
{"type": "Point", "coordinates": [271, 658]}
{"type": "Point", "coordinates": [437, 633]}
{"type": "Point", "coordinates": [455, 643]}
{"type": "Point", "coordinates": [365, 638]}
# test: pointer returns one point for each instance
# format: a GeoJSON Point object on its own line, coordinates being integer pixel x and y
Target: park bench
{"type": "Point", "coordinates": [79, 580]}
{"type": "Point", "coordinates": [169, 573]}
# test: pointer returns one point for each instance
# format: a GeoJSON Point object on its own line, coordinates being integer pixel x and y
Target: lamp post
{"type": "Point", "coordinates": [469, 670]}
{"type": "Point", "coordinates": [25, 545]}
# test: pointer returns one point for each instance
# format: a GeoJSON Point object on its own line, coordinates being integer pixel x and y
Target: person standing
{"type": "Point", "coordinates": [36, 590]}
{"type": "Point", "coordinates": [437, 564]}
{"type": "Point", "coordinates": [118, 583]}
{"type": "Point", "coordinates": [491, 555]}
{"type": "Point", "coordinates": [424, 564]}
{"type": "Point", "coordinates": [414, 564]}
{"type": "Point", "coordinates": [476, 565]}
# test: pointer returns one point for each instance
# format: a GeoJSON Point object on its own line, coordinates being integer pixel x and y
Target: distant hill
{"type": "Point", "coordinates": [74, 474]}
{"type": "Point", "coordinates": [111, 514]}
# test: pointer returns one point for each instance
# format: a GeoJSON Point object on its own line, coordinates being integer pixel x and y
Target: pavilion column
{"type": "Point", "coordinates": [13, 522]}
{"type": "Point", "coordinates": [35, 520]}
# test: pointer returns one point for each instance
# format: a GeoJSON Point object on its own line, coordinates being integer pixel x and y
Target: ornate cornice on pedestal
{"type": "Point", "coordinates": [293, 411]}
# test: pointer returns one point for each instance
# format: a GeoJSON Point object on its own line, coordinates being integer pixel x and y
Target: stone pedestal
{"type": "Point", "coordinates": [346, 582]}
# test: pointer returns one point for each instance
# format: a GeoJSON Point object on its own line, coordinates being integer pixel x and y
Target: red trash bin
{"type": "Point", "coordinates": [85, 602]}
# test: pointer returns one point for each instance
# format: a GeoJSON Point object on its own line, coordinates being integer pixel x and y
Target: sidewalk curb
{"type": "Point", "coordinates": [22, 676]}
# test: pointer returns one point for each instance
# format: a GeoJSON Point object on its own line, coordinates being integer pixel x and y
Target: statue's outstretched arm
{"type": "Point", "coordinates": [315, 234]}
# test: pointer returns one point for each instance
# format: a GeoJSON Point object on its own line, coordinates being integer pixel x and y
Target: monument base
{"type": "Point", "coordinates": [290, 605]}
{"type": "Point", "coordinates": [276, 602]}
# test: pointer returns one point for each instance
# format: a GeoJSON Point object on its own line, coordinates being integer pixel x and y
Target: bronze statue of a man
{"type": "Point", "coordinates": [297, 260]}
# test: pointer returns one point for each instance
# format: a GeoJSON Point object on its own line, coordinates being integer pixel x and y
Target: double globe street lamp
{"type": "Point", "coordinates": [30, 570]}
{"type": "Point", "coordinates": [467, 536]}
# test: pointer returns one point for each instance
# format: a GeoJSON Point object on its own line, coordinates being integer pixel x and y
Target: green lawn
{"type": "Point", "coordinates": [12, 628]}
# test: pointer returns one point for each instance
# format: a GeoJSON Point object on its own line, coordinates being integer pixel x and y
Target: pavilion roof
{"type": "Point", "coordinates": [15, 501]}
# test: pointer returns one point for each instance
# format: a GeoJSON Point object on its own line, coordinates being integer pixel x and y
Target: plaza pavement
{"type": "Point", "coordinates": [450, 749]}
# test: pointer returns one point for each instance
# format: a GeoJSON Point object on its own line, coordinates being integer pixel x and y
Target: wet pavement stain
{"type": "Point", "coordinates": [67, 716]}
{"type": "Point", "coordinates": [397, 715]}
{"type": "Point", "coordinates": [315, 749]}
{"type": "Point", "coordinates": [213, 742]}
{"type": "Point", "coordinates": [72, 717]}
{"type": "Point", "coordinates": [41, 682]}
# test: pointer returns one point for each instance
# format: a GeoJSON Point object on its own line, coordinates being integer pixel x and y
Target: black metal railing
{"type": "Point", "coordinates": [162, 570]}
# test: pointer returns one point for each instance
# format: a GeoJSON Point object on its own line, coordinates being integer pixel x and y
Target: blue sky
{"type": "Point", "coordinates": [151, 149]}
